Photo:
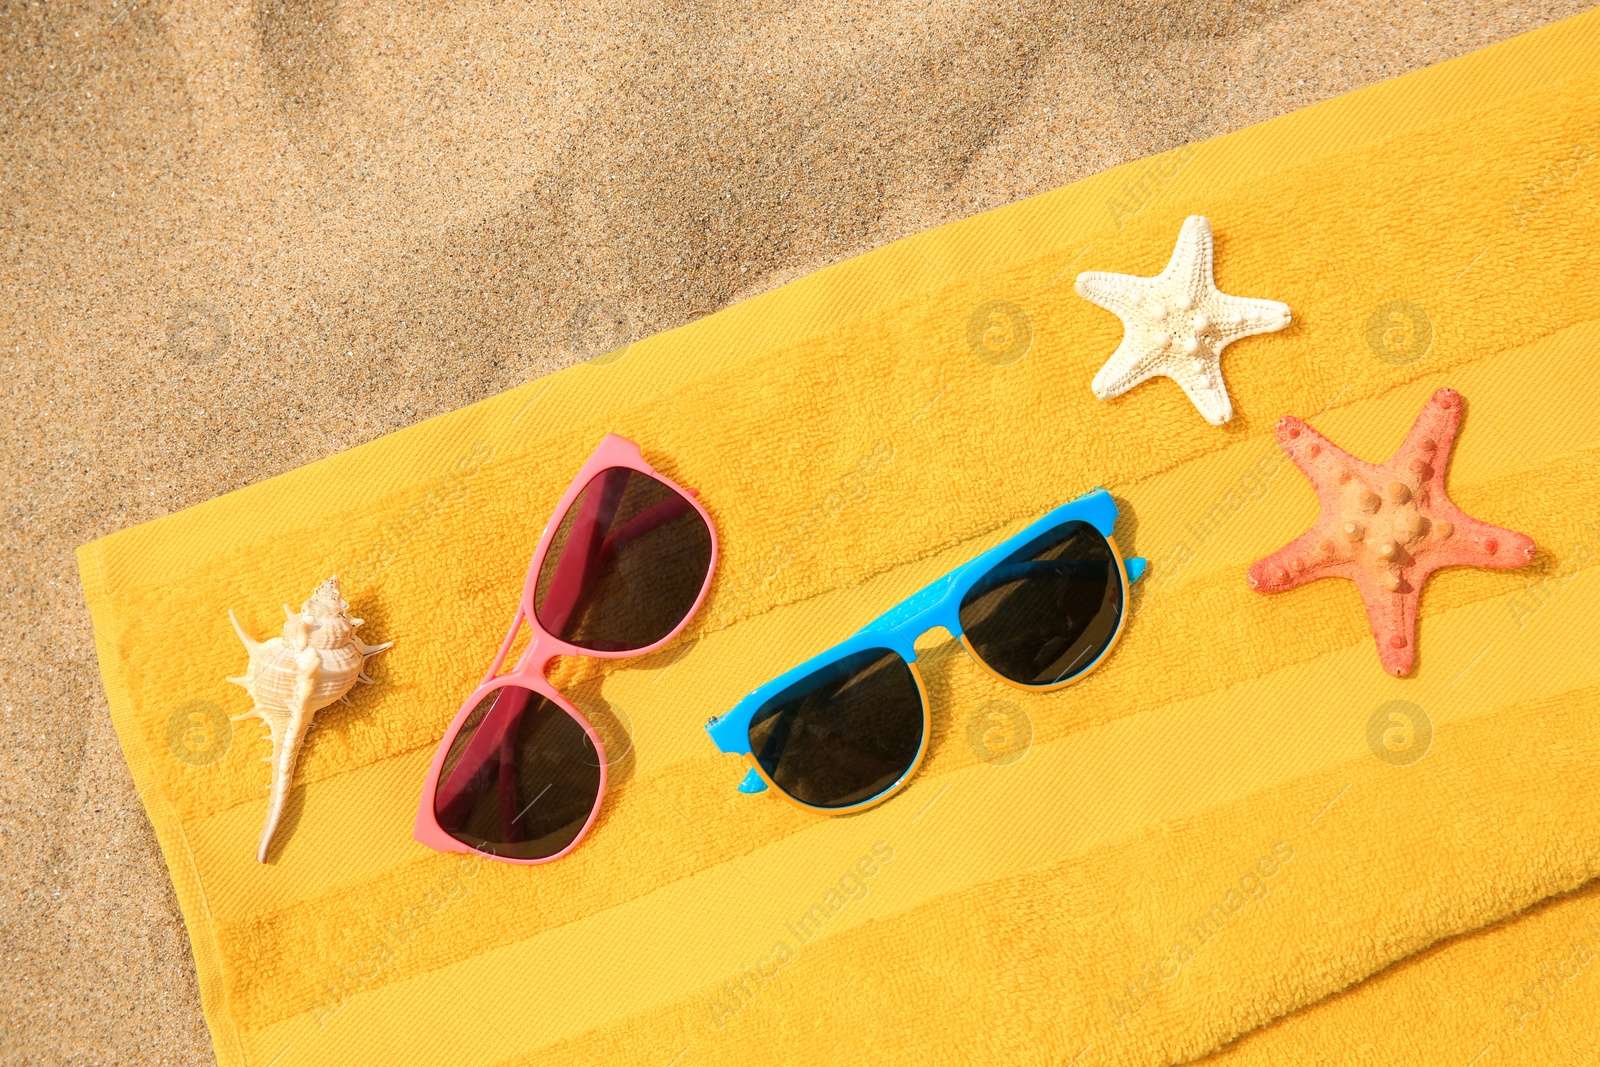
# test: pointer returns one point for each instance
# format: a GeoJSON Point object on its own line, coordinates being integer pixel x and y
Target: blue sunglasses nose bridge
{"type": "Point", "coordinates": [934, 606]}
{"type": "Point", "coordinates": [929, 608]}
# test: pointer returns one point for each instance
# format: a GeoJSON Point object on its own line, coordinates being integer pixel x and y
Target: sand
{"type": "Point", "coordinates": [239, 238]}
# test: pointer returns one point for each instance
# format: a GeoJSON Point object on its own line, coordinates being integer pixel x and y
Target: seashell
{"type": "Point", "coordinates": [316, 662]}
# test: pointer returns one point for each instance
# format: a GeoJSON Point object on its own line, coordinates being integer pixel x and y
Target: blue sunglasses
{"type": "Point", "coordinates": [847, 729]}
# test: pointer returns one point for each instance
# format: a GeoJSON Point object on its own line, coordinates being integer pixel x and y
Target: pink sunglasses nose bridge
{"type": "Point", "coordinates": [535, 659]}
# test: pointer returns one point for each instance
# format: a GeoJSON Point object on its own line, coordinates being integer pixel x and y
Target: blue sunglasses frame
{"type": "Point", "coordinates": [937, 604]}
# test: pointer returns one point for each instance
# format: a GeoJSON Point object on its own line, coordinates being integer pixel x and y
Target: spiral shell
{"type": "Point", "coordinates": [316, 661]}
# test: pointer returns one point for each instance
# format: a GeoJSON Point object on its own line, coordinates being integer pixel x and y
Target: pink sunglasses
{"type": "Point", "coordinates": [622, 565]}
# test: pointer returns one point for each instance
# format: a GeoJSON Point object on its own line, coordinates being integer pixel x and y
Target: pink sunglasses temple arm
{"type": "Point", "coordinates": [505, 646]}
{"type": "Point", "coordinates": [581, 550]}
{"type": "Point", "coordinates": [510, 817]}
{"type": "Point", "coordinates": [667, 511]}
{"type": "Point", "coordinates": [497, 730]}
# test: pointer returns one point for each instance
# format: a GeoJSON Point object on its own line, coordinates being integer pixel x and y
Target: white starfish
{"type": "Point", "coordinates": [1177, 324]}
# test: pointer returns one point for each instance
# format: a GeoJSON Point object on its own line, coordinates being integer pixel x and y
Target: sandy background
{"type": "Point", "coordinates": [240, 237]}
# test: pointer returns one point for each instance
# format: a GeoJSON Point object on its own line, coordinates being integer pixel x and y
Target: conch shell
{"type": "Point", "coordinates": [317, 661]}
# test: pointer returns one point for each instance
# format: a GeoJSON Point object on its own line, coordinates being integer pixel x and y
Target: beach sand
{"type": "Point", "coordinates": [241, 237]}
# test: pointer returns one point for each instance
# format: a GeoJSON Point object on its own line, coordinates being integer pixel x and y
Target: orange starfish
{"type": "Point", "coordinates": [1386, 526]}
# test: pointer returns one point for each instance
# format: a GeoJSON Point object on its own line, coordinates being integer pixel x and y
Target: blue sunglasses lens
{"type": "Point", "coordinates": [1047, 612]}
{"type": "Point", "coordinates": [843, 734]}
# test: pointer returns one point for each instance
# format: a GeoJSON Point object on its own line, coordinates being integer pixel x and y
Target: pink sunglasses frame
{"type": "Point", "coordinates": [529, 670]}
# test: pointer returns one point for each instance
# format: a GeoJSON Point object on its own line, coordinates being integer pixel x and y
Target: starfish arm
{"type": "Point", "coordinates": [1119, 294]}
{"type": "Point", "coordinates": [1475, 543]}
{"type": "Point", "coordinates": [1242, 316]}
{"type": "Point", "coordinates": [1296, 563]}
{"type": "Point", "coordinates": [1204, 386]}
{"type": "Point", "coordinates": [1431, 438]}
{"type": "Point", "coordinates": [1132, 363]}
{"type": "Point", "coordinates": [1319, 459]}
{"type": "Point", "coordinates": [1190, 265]}
{"type": "Point", "coordinates": [1393, 618]}
{"type": "Point", "coordinates": [1424, 456]}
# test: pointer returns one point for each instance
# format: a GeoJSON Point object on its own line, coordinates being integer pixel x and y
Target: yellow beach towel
{"type": "Point", "coordinates": [1237, 817]}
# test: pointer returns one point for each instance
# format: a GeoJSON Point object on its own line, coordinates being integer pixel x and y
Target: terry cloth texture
{"type": "Point", "coordinates": [1239, 816]}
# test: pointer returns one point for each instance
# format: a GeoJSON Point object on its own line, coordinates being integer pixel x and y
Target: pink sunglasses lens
{"type": "Point", "coordinates": [626, 565]}
{"type": "Point", "coordinates": [521, 777]}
